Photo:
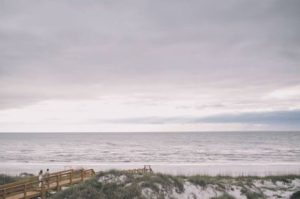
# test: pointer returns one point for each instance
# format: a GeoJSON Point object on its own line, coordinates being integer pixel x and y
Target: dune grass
{"type": "Point", "coordinates": [4, 179]}
{"type": "Point", "coordinates": [105, 186]}
{"type": "Point", "coordinates": [119, 185]}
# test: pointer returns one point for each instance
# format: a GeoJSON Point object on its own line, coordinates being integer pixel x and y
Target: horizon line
{"type": "Point", "coordinates": [225, 131]}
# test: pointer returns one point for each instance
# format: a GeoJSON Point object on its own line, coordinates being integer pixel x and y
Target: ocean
{"type": "Point", "coordinates": [187, 153]}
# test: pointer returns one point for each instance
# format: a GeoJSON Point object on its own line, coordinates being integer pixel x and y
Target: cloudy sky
{"type": "Point", "coordinates": [149, 65]}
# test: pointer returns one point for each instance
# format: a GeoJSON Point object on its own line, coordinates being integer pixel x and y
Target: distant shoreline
{"type": "Point", "coordinates": [172, 169]}
{"type": "Point", "coordinates": [104, 132]}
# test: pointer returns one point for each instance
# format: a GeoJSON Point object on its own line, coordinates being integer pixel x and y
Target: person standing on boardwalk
{"type": "Point", "coordinates": [46, 177]}
{"type": "Point", "coordinates": [40, 178]}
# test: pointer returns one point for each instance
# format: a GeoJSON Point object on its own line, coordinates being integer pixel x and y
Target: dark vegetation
{"type": "Point", "coordinates": [4, 179]}
{"type": "Point", "coordinates": [295, 195]}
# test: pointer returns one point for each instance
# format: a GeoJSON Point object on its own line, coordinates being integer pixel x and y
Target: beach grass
{"type": "Point", "coordinates": [117, 184]}
{"type": "Point", "coordinates": [4, 179]}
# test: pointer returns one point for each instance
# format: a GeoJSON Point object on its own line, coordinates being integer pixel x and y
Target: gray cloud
{"type": "Point", "coordinates": [232, 52]}
{"type": "Point", "coordinates": [272, 117]}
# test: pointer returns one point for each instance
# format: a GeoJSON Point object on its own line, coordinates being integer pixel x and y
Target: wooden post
{"type": "Point", "coordinates": [57, 184]}
{"type": "Point", "coordinates": [43, 191]}
{"type": "Point", "coordinates": [4, 193]}
{"type": "Point", "coordinates": [71, 177]}
{"type": "Point", "coordinates": [81, 175]}
{"type": "Point", "coordinates": [48, 182]}
{"type": "Point", "coordinates": [25, 191]}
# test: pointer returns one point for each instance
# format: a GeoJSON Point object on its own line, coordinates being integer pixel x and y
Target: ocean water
{"type": "Point", "coordinates": [233, 153]}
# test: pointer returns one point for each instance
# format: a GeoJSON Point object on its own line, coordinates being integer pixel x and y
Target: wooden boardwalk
{"type": "Point", "coordinates": [32, 188]}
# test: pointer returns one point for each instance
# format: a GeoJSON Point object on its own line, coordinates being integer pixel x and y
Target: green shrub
{"type": "Point", "coordinates": [202, 181]}
{"type": "Point", "coordinates": [152, 186]}
{"type": "Point", "coordinates": [251, 195]}
{"type": "Point", "coordinates": [79, 192]}
{"type": "Point", "coordinates": [178, 183]}
{"type": "Point", "coordinates": [284, 179]}
{"type": "Point", "coordinates": [295, 195]}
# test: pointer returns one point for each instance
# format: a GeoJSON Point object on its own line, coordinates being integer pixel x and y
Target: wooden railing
{"type": "Point", "coordinates": [146, 169]}
{"type": "Point", "coordinates": [32, 187]}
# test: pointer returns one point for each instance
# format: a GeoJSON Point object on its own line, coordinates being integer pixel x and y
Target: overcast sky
{"type": "Point", "coordinates": [149, 65]}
